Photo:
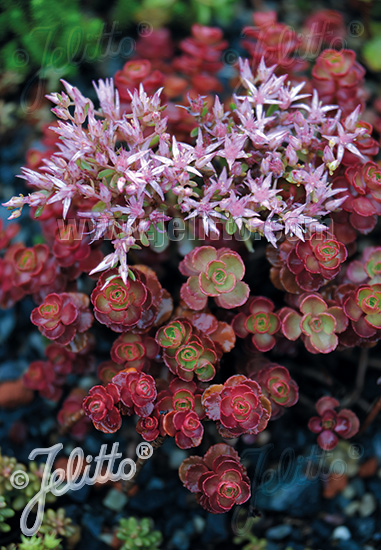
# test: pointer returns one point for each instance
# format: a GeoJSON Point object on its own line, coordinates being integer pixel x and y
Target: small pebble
{"type": "Point", "coordinates": [335, 485]}
{"type": "Point", "coordinates": [155, 483]}
{"type": "Point", "coordinates": [348, 545]}
{"type": "Point", "coordinates": [93, 523]}
{"type": "Point", "coordinates": [358, 486]}
{"type": "Point", "coordinates": [349, 492]}
{"type": "Point", "coordinates": [341, 533]}
{"type": "Point", "coordinates": [263, 437]}
{"type": "Point", "coordinates": [352, 467]}
{"type": "Point", "coordinates": [369, 467]}
{"type": "Point", "coordinates": [333, 519]}
{"type": "Point", "coordinates": [279, 532]}
{"type": "Point", "coordinates": [107, 538]}
{"type": "Point", "coordinates": [115, 500]}
{"type": "Point", "coordinates": [199, 524]}
{"type": "Point", "coordinates": [86, 382]}
{"type": "Point", "coordinates": [176, 457]}
{"type": "Point", "coordinates": [367, 505]}
{"type": "Point", "coordinates": [352, 508]}
{"type": "Point", "coordinates": [180, 540]}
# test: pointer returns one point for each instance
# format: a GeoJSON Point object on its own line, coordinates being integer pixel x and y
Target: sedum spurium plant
{"type": "Point", "coordinates": [331, 424]}
{"type": "Point", "coordinates": [277, 162]}
{"type": "Point", "coordinates": [137, 534]}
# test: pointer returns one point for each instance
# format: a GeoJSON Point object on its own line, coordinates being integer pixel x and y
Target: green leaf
{"type": "Point", "coordinates": [144, 239]}
{"type": "Point", "coordinates": [154, 141]}
{"type": "Point", "coordinates": [271, 110]}
{"type": "Point", "coordinates": [371, 53]}
{"type": "Point", "coordinates": [39, 211]}
{"type": "Point", "coordinates": [99, 206]}
{"type": "Point", "coordinates": [230, 226]}
{"type": "Point", "coordinates": [249, 245]}
{"type": "Point", "coordinates": [158, 237]}
{"type": "Point", "coordinates": [106, 173]}
{"type": "Point", "coordinates": [85, 165]}
{"type": "Point", "coordinates": [38, 239]}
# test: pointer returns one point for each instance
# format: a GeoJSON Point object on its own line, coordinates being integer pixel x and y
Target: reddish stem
{"type": "Point", "coordinates": [129, 484]}
{"type": "Point", "coordinates": [371, 416]}
{"type": "Point", "coordinates": [71, 420]}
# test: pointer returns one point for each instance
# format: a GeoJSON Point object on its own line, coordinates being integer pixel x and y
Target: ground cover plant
{"type": "Point", "coordinates": [206, 271]}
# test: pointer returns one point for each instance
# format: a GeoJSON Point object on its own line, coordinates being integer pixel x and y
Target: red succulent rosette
{"type": "Point", "coordinates": [130, 305]}
{"type": "Point", "coordinates": [61, 359]}
{"type": "Point", "coordinates": [214, 273]}
{"type": "Point", "coordinates": [7, 233]}
{"type": "Point", "coordinates": [371, 176]}
{"type": "Point", "coordinates": [31, 267]}
{"type": "Point", "coordinates": [100, 407]}
{"type": "Point", "coordinates": [134, 351]}
{"type": "Point", "coordinates": [333, 64]}
{"type": "Point", "coordinates": [134, 73]}
{"type": "Point", "coordinates": [338, 78]}
{"type": "Point", "coordinates": [202, 54]}
{"type": "Point", "coordinates": [218, 478]}
{"type": "Point", "coordinates": [48, 377]}
{"type": "Point", "coordinates": [182, 411]}
{"type": "Point", "coordinates": [279, 387]}
{"type": "Point", "coordinates": [362, 193]}
{"type": "Point", "coordinates": [180, 396]}
{"type": "Point", "coordinates": [364, 188]}
{"type": "Point", "coordinates": [275, 42]}
{"type": "Point", "coordinates": [157, 45]}
{"type": "Point", "coordinates": [37, 377]}
{"type": "Point", "coordinates": [72, 405]}
{"type": "Point", "coordinates": [27, 262]}
{"type": "Point", "coordinates": [174, 334]}
{"type": "Point", "coordinates": [150, 427]}
{"type": "Point", "coordinates": [9, 293]}
{"type": "Point", "coordinates": [119, 305]}
{"type": "Point", "coordinates": [137, 392]}
{"type": "Point", "coordinates": [238, 406]}
{"type": "Point", "coordinates": [185, 427]}
{"type": "Point", "coordinates": [363, 307]}
{"type": "Point", "coordinates": [221, 333]}
{"type": "Point", "coordinates": [61, 316]}
{"type": "Point", "coordinates": [323, 26]}
{"type": "Point", "coordinates": [41, 376]}
{"type": "Point", "coordinates": [259, 320]}
{"type": "Point", "coordinates": [318, 323]}
{"type": "Point", "coordinates": [73, 252]}
{"type": "Point", "coordinates": [187, 353]}
{"type": "Point", "coordinates": [280, 276]}
{"type": "Point", "coordinates": [316, 260]}
{"type": "Point", "coordinates": [107, 370]}
{"type": "Point", "coordinates": [349, 338]}
{"type": "Point", "coordinates": [331, 424]}
{"type": "Point", "coordinates": [368, 269]}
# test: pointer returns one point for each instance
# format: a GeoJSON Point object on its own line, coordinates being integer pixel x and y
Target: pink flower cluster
{"type": "Point", "coordinates": [246, 170]}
